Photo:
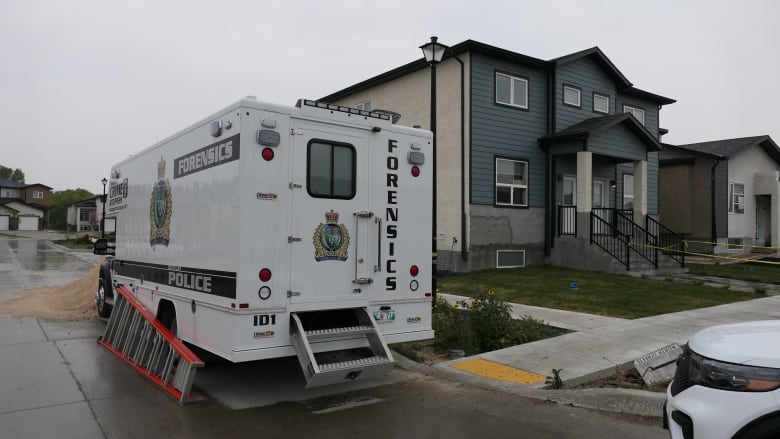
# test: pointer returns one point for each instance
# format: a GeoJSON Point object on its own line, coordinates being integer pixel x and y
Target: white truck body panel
{"type": "Point", "coordinates": [197, 217]}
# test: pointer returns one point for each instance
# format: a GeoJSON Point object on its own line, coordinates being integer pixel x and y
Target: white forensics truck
{"type": "Point", "coordinates": [266, 231]}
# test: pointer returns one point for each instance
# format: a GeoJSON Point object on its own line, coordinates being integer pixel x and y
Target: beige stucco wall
{"type": "Point", "coordinates": [410, 96]}
{"type": "Point", "coordinates": [758, 172]}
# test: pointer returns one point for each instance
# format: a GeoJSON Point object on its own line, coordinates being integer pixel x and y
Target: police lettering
{"type": "Point", "coordinates": [190, 281]}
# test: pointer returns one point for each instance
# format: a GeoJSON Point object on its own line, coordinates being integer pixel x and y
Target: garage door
{"type": "Point", "coordinates": [4, 221]}
{"type": "Point", "coordinates": [28, 223]}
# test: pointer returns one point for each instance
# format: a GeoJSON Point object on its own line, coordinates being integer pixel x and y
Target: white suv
{"type": "Point", "coordinates": [727, 384]}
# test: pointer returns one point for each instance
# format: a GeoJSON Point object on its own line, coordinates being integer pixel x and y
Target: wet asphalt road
{"type": "Point", "coordinates": [56, 381]}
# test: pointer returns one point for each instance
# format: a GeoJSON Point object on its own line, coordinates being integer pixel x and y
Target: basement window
{"type": "Point", "coordinates": [510, 258]}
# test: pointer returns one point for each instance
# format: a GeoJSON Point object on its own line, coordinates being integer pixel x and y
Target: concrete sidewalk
{"type": "Point", "coordinates": [602, 343]}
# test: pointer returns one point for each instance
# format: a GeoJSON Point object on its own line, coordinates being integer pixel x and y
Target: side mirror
{"type": "Point", "coordinates": [101, 247]}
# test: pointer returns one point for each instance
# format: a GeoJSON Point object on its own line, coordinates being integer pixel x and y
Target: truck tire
{"type": "Point", "coordinates": [103, 309]}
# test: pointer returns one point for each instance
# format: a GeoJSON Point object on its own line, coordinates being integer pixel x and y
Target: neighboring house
{"type": "Point", "coordinates": [24, 206]}
{"type": "Point", "coordinates": [85, 215]}
{"type": "Point", "coordinates": [723, 195]}
{"type": "Point", "coordinates": [527, 151]}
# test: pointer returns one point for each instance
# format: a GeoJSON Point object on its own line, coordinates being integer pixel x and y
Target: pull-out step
{"type": "Point", "coordinates": [339, 345]}
{"type": "Point", "coordinates": [142, 341]}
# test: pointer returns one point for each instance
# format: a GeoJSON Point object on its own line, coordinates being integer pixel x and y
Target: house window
{"type": "Point", "coordinates": [511, 90]}
{"type": "Point", "coordinates": [331, 169]}
{"type": "Point", "coordinates": [511, 182]}
{"type": "Point", "coordinates": [600, 103]}
{"type": "Point", "coordinates": [8, 194]}
{"type": "Point", "coordinates": [38, 194]}
{"type": "Point", "coordinates": [83, 215]}
{"type": "Point", "coordinates": [628, 191]}
{"type": "Point", "coordinates": [638, 113]}
{"type": "Point", "coordinates": [736, 198]}
{"type": "Point", "coordinates": [510, 258]}
{"type": "Point", "coordinates": [572, 96]}
{"type": "Point", "coordinates": [365, 105]}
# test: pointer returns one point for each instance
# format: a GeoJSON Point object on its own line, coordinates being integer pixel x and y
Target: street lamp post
{"type": "Point", "coordinates": [433, 52]}
{"type": "Point", "coordinates": [103, 222]}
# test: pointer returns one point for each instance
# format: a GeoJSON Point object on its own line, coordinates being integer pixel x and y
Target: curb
{"type": "Point", "coordinates": [625, 401]}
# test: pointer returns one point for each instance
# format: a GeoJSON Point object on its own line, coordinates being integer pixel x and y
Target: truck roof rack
{"type": "Point", "coordinates": [341, 108]}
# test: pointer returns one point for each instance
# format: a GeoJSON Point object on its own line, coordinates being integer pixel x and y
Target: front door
{"type": "Point", "coordinates": [600, 203]}
{"type": "Point", "coordinates": [763, 220]}
{"type": "Point", "coordinates": [329, 213]}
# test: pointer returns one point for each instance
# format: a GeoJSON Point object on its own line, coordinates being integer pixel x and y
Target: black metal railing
{"type": "Point", "coordinates": [670, 243]}
{"type": "Point", "coordinates": [567, 220]}
{"type": "Point", "coordinates": [639, 240]}
{"type": "Point", "coordinates": [609, 238]}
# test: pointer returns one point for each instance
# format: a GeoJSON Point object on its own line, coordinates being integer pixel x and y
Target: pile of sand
{"type": "Point", "coordinates": [74, 301]}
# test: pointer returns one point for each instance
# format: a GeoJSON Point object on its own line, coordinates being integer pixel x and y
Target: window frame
{"type": "Point", "coordinates": [353, 166]}
{"type": "Point", "coordinates": [625, 195]}
{"type": "Point", "coordinates": [601, 95]}
{"type": "Point", "coordinates": [37, 195]}
{"type": "Point", "coordinates": [732, 203]}
{"type": "Point", "coordinates": [512, 78]}
{"type": "Point", "coordinates": [573, 88]}
{"type": "Point", "coordinates": [627, 108]}
{"type": "Point", "coordinates": [496, 184]}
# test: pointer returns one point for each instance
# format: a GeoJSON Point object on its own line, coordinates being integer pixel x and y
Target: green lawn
{"type": "Point", "coordinates": [600, 293]}
{"type": "Point", "coordinates": [758, 271]}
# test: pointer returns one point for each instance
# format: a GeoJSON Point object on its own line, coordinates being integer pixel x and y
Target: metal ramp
{"type": "Point", "coordinates": [339, 346]}
{"type": "Point", "coordinates": [137, 337]}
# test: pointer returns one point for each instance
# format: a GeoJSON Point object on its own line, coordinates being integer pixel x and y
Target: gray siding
{"type": "Point", "coordinates": [585, 74]}
{"type": "Point", "coordinates": [507, 132]}
{"type": "Point", "coordinates": [620, 142]}
{"type": "Point", "coordinates": [651, 111]}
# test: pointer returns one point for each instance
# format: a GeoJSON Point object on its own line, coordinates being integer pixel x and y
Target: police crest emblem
{"type": "Point", "coordinates": [331, 239]}
{"type": "Point", "coordinates": [160, 208]}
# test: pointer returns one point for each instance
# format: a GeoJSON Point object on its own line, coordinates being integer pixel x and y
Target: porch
{"type": "Point", "coordinates": [635, 247]}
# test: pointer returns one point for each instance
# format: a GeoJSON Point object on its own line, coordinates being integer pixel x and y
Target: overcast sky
{"type": "Point", "coordinates": [85, 84]}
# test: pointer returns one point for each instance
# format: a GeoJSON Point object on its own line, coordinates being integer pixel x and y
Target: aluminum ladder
{"type": "Point", "coordinates": [340, 353]}
{"type": "Point", "coordinates": [137, 337]}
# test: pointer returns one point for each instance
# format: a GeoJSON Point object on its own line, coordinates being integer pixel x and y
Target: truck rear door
{"type": "Point", "coordinates": [330, 222]}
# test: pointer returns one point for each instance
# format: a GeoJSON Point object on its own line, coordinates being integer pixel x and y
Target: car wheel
{"type": "Point", "coordinates": [764, 430]}
{"type": "Point", "coordinates": [103, 309]}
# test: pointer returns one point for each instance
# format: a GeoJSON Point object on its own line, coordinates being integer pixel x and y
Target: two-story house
{"type": "Point", "coordinates": [530, 153]}
{"type": "Point", "coordinates": [723, 195]}
{"type": "Point", "coordinates": [23, 206]}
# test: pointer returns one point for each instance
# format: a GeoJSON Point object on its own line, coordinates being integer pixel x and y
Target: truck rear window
{"type": "Point", "coordinates": [330, 169]}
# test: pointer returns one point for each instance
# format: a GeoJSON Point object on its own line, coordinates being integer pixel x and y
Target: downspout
{"type": "Point", "coordinates": [713, 237]}
{"type": "Point", "coordinates": [464, 248]}
{"type": "Point", "coordinates": [549, 211]}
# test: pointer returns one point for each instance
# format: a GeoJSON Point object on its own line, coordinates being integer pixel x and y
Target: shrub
{"type": "Point", "coordinates": [485, 324]}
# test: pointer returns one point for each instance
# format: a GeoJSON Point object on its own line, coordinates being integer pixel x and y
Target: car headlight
{"type": "Point", "coordinates": [728, 376]}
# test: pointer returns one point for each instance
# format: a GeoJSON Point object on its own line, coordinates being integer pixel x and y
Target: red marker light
{"type": "Point", "coordinates": [415, 171]}
{"type": "Point", "coordinates": [414, 271]}
{"type": "Point", "coordinates": [265, 275]}
{"type": "Point", "coordinates": [268, 154]}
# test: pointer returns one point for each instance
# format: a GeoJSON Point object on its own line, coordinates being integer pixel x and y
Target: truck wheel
{"type": "Point", "coordinates": [103, 309]}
